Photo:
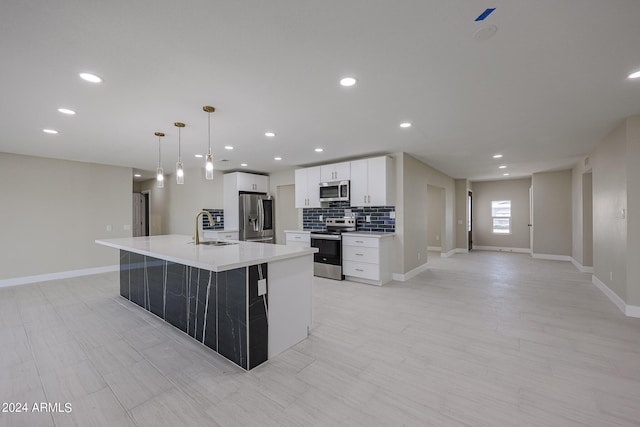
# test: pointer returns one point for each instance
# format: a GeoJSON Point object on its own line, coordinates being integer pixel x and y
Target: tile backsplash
{"type": "Point", "coordinates": [219, 225]}
{"type": "Point", "coordinates": [380, 217]}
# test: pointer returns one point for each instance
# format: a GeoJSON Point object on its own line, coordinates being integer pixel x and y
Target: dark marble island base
{"type": "Point", "coordinates": [222, 310]}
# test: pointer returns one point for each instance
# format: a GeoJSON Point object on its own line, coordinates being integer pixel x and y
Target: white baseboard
{"type": "Point", "coordinates": [55, 276]}
{"type": "Point", "coordinates": [502, 249]}
{"type": "Point", "coordinates": [462, 251]}
{"type": "Point", "coordinates": [434, 248]}
{"type": "Point", "coordinates": [551, 257]}
{"type": "Point", "coordinates": [448, 254]}
{"type": "Point", "coordinates": [581, 267]}
{"type": "Point", "coordinates": [403, 277]}
{"type": "Point", "coordinates": [628, 310]}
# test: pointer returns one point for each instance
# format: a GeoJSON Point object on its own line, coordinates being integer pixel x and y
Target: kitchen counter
{"type": "Point", "coordinates": [369, 234]}
{"type": "Point", "coordinates": [246, 301]}
{"type": "Point", "coordinates": [180, 249]}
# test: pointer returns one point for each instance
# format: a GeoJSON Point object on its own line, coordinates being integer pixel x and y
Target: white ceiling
{"type": "Point", "coordinates": [543, 91]}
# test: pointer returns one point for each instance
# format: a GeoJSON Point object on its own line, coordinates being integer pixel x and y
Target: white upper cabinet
{"type": "Point", "coordinates": [372, 182]}
{"type": "Point", "coordinates": [252, 182]}
{"type": "Point", "coordinates": [335, 172]}
{"type": "Point", "coordinates": [307, 187]}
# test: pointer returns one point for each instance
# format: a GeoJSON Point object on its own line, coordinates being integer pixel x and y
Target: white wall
{"type": "Point", "coordinates": [53, 210]}
{"type": "Point", "coordinates": [415, 178]}
{"type": "Point", "coordinates": [484, 192]}
{"type": "Point", "coordinates": [552, 205]}
{"type": "Point", "coordinates": [435, 215]}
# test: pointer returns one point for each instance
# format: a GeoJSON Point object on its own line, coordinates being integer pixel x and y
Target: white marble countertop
{"type": "Point", "coordinates": [180, 249]}
{"type": "Point", "coordinates": [297, 231]}
{"type": "Point", "coordinates": [368, 234]}
{"type": "Point", "coordinates": [226, 230]}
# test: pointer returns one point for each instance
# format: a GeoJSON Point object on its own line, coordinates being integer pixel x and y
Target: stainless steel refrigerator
{"type": "Point", "coordinates": [256, 218]}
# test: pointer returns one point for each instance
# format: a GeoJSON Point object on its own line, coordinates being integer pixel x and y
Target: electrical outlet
{"type": "Point", "coordinates": [218, 218]}
{"type": "Point", "coordinates": [109, 228]}
{"type": "Point", "coordinates": [392, 214]}
{"type": "Point", "coordinates": [611, 276]}
{"type": "Point", "coordinates": [368, 218]}
{"type": "Point", "coordinates": [320, 218]}
{"type": "Point", "coordinates": [262, 287]}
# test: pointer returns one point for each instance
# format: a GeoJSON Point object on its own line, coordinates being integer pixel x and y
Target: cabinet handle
{"type": "Point", "coordinates": [365, 199]}
{"type": "Point", "coordinates": [297, 237]}
{"type": "Point", "coordinates": [359, 269]}
{"type": "Point", "coordinates": [359, 241]}
{"type": "Point", "coordinates": [369, 197]}
{"type": "Point", "coordinates": [360, 254]}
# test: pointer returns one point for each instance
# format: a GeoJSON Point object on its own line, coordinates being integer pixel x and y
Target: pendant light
{"type": "Point", "coordinates": [209, 164]}
{"type": "Point", "coordinates": [159, 171]}
{"type": "Point", "coordinates": [179, 169]}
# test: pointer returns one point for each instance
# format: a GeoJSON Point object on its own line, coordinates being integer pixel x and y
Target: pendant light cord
{"type": "Point", "coordinates": [209, 133]}
{"type": "Point", "coordinates": [159, 154]}
{"type": "Point", "coordinates": [179, 146]}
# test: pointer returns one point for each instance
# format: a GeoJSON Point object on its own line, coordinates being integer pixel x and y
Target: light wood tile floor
{"type": "Point", "coordinates": [483, 339]}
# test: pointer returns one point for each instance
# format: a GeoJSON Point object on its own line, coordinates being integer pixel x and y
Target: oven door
{"type": "Point", "coordinates": [328, 260]}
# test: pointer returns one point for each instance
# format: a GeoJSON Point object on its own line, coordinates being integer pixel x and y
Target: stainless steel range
{"type": "Point", "coordinates": [328, 260]}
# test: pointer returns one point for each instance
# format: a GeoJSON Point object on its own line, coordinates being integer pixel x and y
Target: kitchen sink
{"type": "Point", "coordinates": [216, 243]}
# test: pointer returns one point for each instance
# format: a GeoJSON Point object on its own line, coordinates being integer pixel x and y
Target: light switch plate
{"type": "Point", "coordinates": [320, 218]}
{"type": "Point", "coordinates": [368, 219]}
{"type": "Point", "coordinates": [218, 218]}
{"type": "Point", "coordinates": [392, 214]}
{"type": "Point", "coordinates": [262, 287]}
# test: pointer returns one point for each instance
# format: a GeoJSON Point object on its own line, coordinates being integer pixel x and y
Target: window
{"type": "Point", "coordinates": [501, 216]}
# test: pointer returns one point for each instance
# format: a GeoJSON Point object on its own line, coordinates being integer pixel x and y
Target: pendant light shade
{"type": "Point", "coordinates": [159, 171]}
{"type": "Point", "coordinates": [209, 163]}
{"type": "Point", "coordinates": [179, 168]}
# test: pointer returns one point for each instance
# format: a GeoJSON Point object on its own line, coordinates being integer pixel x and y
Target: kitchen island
{"type": "Point", "coordinates": [246, 301]}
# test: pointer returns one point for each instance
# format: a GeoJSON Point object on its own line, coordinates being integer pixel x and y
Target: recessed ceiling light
{"type": "Point", "coordinates": [90, 77]}
{"type": "Point", "coordinates": [634, 75]}
{"type": "Point", "coordinates": [243, 164]}
{"type": "Point", "coordinates": [505, 174]}
{"type": "Point", "coordinates": [319, 150]}
{"type": "Point", "coordinates": [66, 111]}
{"type": "Point", "coordinates": [497, 156]}
{"type": "Point", "coordinates": [348, 81]}
{"type": "Point", "coordinates": [137, 175]}
{"type": "Point", "coordinates": [228, 147]}
{"type": "Point", "coordinates": [405, 125]}
{"type": "Point", "coordinates": [199, 156]}
{"type": "Point", "coordinates": [53, 131]}
{"type": "Point", "coordinates": [277, 158]}
{"type": "Point", "coordinates": [270, 134]}
{"type": "Point", "coordinates": [502, 167]}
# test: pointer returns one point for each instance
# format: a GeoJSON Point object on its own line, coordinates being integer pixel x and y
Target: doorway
{"type": "Point", "coordinates": [470, 220]}
{"type": "Point", "coordinates": [587, 219]}
{"type": "Point", "coordinates": [140, 214]}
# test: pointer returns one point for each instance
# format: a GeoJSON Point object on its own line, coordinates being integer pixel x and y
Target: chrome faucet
{"type": "Point", "coordinates": [211, 222]}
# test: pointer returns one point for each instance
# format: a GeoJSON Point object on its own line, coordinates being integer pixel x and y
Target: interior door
{"type": "Point", "coordinates": [470, 219]}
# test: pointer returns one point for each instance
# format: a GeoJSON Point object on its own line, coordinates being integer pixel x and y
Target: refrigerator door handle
{"type": "Point", "coordinates": [260, 216]}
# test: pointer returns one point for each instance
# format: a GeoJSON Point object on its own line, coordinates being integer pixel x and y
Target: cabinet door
{"type": "Point", "coordinates": [335, 172]}
{"type": "Point", "coordinates": [342, 171]}
{"type": "Point", "coordinates": [377, 177]}
{"type": "Point", "coordinates": [261, 183]}
{"type": "Point", "coordinates": [313, 187]}
{"type": "Point", "coordinates": [359, 183]}
{"type": "Point", "coordinates": [301, 189]}
{"type": "Point", "coordinates": [244, 181]}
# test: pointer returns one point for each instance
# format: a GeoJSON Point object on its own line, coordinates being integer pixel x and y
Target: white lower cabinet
{"type": "Point", "coordinates": [367, 258]}
{"type": "Point", "coordinates": [298, 238]}
{"type": "Point", "coordinates": [220, 235]}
